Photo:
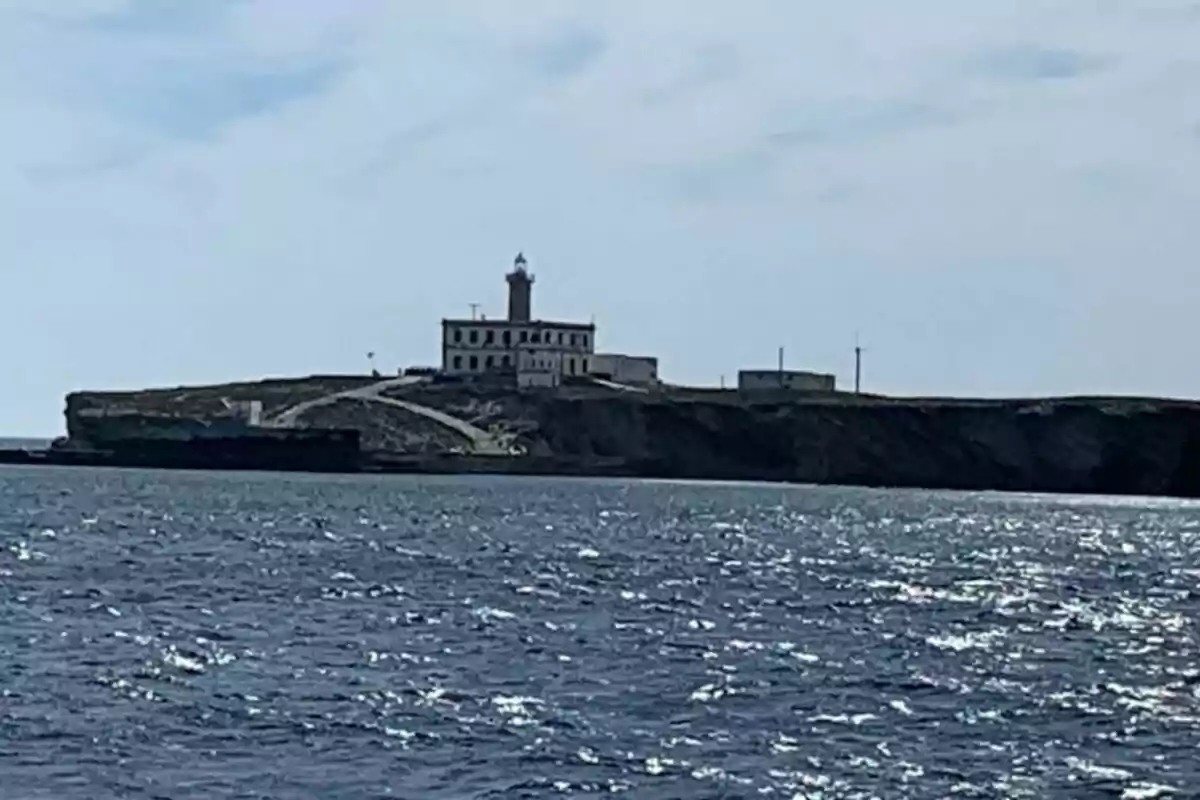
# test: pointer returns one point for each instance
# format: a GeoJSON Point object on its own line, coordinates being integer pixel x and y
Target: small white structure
{"type": "Point", "coordinates": [539, 367]}
{"type": "Point", "coordinates": [621, 368]}
{"type": "Point", "coordinates": [481, 346]}
{"type": "Point", "coordinates": [754, 380]}
{"type": "Point", "coordinates": [248, 411]}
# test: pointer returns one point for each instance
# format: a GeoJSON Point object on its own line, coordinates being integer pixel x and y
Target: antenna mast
{"type": "Point", "coordinates": [858, 351]}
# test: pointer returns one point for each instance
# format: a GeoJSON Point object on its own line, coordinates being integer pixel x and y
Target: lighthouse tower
{"type": "Point", "coordinates": [520, 291]}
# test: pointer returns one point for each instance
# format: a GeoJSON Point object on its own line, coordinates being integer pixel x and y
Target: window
{"type": "Point", "coordinates": [574, 339]}
{"type": "Point", "coordinates": [504, 362]}
{"type": "Point", "coordinates": [474, 362]}
{"type": "Point", "coordinates": [473, 336]}
{"type": "Point", "coordinates": [458, 362]}
{"type": "Point", "coordinates": [535, 337]}
{"type": "Point", "coordinates": [524, 336]}
{"type": "Point", "coordinates": [506, 337]}
{"type": "Point", "coordinates": [458, 334]}
{"type": "Point", "coordinates": [491, 362]}
{"type": "Point", "coordinates": [489, 337]}
{"type": "Point", "coordinates": [571, 365]}
{"type": "Point", "coordinates": [585, 340]}
{"type": "Point", "coordinates": [585, 365]}
{"type": "Point", "coordinates": [560, 337]}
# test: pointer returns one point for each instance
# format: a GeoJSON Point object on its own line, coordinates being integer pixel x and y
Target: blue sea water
{"type": "Point", "coordinates": [184, 635]}
{"type": "Point", "coordinates": [26, 443]}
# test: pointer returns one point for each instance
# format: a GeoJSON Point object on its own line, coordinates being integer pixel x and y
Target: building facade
{"type": "Point", "coordinates": [539, 368]}
{"type": "Point", "coordinates": [483, 346]}
{"type": "Point", "coordinates": [751, 380]}
{"type": "Point", "coordinates": [621, 368]}
{"type": "Point", "coordinates": [475, 346]}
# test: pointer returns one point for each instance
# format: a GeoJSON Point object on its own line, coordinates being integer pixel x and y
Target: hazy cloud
{"type": "Point", "coordinates": [189, 101]}
{"type": "Point", "coordinates": [707, 65]}
{"type": "Point", "coordinates": [1032, 63]}
{"type": "Point", "coordinates": [847, 125]}
{"type": "Point", "coordinates": [158, 18]}
{"type": "Point", "coordinates": [565, 53]}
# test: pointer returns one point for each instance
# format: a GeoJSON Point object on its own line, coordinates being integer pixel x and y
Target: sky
{"type": "Point", "coordinates": [997, 198]}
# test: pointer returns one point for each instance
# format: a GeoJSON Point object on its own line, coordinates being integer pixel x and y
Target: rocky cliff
{"type": "Point", "coordinates": [1100, 446]}
{"type": "Point", "coordinates": [1105, 445]}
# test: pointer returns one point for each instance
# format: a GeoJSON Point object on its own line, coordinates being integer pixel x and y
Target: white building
{"type": "Point", "coordinates": [248, 411]}
{"type": "Point", "coordinates": [751, 380]}
{"type": "Point", "coordinates": [545, 350]}
{"type": "Point", "coordinates": [630, 370]}
{"type": "Point", "coordinates": [537, 367]}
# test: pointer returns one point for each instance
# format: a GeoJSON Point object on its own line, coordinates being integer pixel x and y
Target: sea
{"type": "Point", "coordinates": [217, 635]}
{"type": "Point", "coordinates": [23, 443]}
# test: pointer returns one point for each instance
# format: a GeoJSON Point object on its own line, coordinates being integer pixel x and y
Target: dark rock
{"type": "Point", "coordinates": [1101, 445]}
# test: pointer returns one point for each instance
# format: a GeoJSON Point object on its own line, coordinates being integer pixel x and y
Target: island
{"type": "Point", "coordinates": [519, 394]}
{"type": "Point", "coordinates": [432, 423]}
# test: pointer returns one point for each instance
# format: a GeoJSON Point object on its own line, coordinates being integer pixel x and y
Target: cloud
{"type": "Point", "coordinates": [707, 65]}
{"type": "Point", "coordinates": [1000, 198]}
{"type": "Point", "coordinates": [154, 17]}
{"type": "Point", "coordinates": [847, 125]}
{"type": "Point", "coordinates": [566, 53]}
{"type": "Point", "coordinates": [192, 101]}
{"type": "Point", "coordinates": [81, 10]}
{"type": "Point", "coordinates": [1038, 63]}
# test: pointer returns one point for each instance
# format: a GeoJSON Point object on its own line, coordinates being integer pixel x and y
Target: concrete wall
{"type": "Point", "coordinates": [538, 378]}
{"type": "Point", "coordinates": [621, 368]}
{"type": "Point", "coordinates": [199, 444]}
{"type": "Point", "coordinates": [750, 380]}
{"type": "Point", "coordinates": [546, 367]}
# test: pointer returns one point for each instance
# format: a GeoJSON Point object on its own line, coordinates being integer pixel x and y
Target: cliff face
{"type": "Point", "coordinates": [1102, 445]}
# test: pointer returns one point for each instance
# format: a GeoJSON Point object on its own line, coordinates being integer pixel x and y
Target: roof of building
{"type": "Point", "coordinates": [534, 323]}
{"type": "Point", "coordinates": [626, 356]}
{"type": "Point", "coordinates": [788, 372]}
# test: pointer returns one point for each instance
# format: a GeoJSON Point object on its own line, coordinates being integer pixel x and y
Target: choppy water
{"type": "Point", "coordinates": [216, 636]}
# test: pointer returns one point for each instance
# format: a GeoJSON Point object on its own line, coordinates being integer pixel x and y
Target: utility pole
{"type": "Point", "coordinates": [858, 351]}
{"type": "Point", "coordinates": [474, 311]}
{"type": "Point", "coordinates": [780, 367]}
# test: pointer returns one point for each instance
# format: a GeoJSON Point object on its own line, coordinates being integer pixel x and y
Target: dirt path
{"type": "Point", "coordinates": [482, 442]}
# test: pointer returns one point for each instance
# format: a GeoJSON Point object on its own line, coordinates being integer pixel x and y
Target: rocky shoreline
{"type": "Point", "coordinates": [354, 424]}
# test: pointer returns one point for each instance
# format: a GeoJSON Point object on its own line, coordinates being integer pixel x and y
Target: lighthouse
{"type": "Point", "coordinates": [520, 291]}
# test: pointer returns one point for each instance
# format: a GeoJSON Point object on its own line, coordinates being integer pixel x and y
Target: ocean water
{"type": "Point", "coordinates": [26, 443]}
{"type": "Point", "coordinates": [182, 635]}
